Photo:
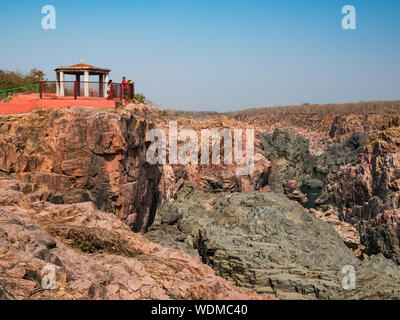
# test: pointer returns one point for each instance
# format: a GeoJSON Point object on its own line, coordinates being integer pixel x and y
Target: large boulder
{"type": "Point", "coordinates": [170, 214]}
{"type": "Point", "coordinates": [293, 193]}
{"type": "Point", "coordinates": [268, 243]}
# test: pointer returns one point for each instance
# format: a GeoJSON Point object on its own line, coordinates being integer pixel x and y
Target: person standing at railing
{"type": "Point", "coordinates": [109, 92]}
{"type": "Point", "coordinates": [130, 88]}
{"type": "Point", "coordinates": [124, 88]}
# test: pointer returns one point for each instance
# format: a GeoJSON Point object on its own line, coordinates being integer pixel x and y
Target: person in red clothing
{"type": "Point", "coordinates": [124, 88]}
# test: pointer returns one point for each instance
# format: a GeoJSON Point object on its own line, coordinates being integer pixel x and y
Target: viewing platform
{"type": "Point", "coordinates": [28, 102]}
{"type": "Point", "coordinates": [61, 93]}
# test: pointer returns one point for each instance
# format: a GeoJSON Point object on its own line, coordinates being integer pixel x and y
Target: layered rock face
{"type": "Point", "coordinates": [94, 255]}
{"type": "Point", "coordinates": [83, 154]}
{"type": "Point", "coordinates": [212, 177]}
{"type": "Point", "coordinates": [367, 194]}
{"type": "Point", "coordinates": [268, 243]}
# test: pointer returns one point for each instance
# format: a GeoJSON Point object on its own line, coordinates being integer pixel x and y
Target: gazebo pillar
{"type": "Point", "coordinates": [86, 87]}
{"type": "Point", "coordinates": [78, 82]}
{"type": "Point", "coordinates": [101, 85]}
{"type": "Point", "coordinates": [57, 84]}
{"type": "Point", "coordinates": [105, 85]}
{"type": "Point", "coordinates": [62, 92]}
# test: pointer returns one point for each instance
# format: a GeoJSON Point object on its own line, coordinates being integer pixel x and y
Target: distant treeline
{"type": "Point", "coordinates": [15, 79]}
{"type": "Point", "coordinates": [370, 107]}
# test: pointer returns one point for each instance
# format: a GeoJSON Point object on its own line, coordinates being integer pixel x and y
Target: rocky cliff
{"type": "Point", "coordinates": [82, 154]}
{"type": "Point", "coordinates": [367, 194]}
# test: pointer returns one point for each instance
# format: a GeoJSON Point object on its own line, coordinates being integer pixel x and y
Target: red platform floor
{"type": "Point", "coordinates": [26, 103]}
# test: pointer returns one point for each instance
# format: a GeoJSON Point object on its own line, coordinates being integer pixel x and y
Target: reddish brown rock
{"type": "Point", "coordinates": [347, 232]}
{"type": "Point", "coordinates": [292, 192]}
{"type": "Point", "coordinates": [367, 195]}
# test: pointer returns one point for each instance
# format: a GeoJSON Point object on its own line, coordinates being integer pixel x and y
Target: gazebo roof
{"type": "Point", "coordinates": [82, 67]}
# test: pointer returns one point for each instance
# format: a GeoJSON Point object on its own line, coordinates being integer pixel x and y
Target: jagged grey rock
{"type": "Point", "coordinates": [290, 156]}
{"type": "Point", "coordinates": [346, 152]}
{"type": "Point", "coordinates": [170, 214]}
{"type": "Point", "coordinates": [268, 243]}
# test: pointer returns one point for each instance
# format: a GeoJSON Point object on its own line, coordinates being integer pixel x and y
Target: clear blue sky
{"type": "Point", "coordinates": [217, 55]}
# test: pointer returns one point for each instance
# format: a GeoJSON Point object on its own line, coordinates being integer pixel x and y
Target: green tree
{"type": "Point", "coordinates": [140, 98]}
{"type": "Point", "coordinates": [14, 79]}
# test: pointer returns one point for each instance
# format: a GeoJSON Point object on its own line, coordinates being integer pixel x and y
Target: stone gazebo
{"type": "Point", "coordinates": [84, 70]}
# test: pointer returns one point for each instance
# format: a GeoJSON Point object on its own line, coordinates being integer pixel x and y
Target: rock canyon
{"type": "Point", "coordinates": [77, 193]}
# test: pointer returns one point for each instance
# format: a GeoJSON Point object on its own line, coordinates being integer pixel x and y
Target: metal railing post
{"type": "Point", "coordinates": [75, 90]}
{"type": "Point", "coordinates": [131, 92]}
{"type": "Point", "coordinates": [41, 90]}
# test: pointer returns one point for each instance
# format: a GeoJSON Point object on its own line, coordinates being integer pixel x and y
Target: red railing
{"type": "Point", "coordinates": [92, 89]}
